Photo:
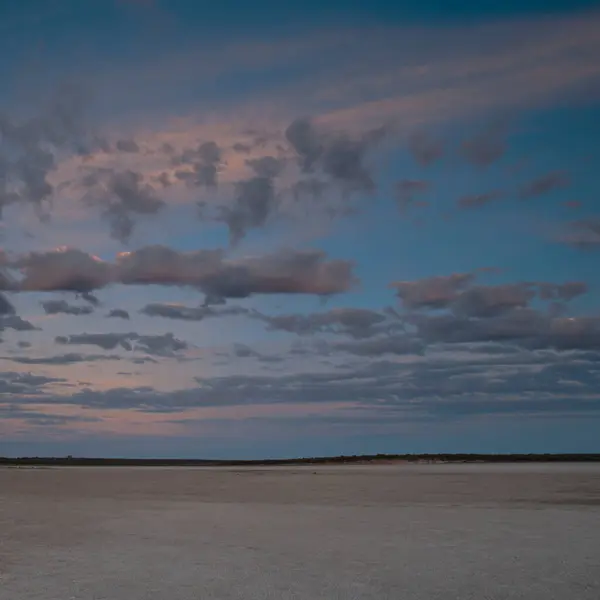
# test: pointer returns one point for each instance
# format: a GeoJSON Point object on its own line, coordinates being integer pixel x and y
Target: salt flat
{"type": "Point", "coordinates": [376, 532]}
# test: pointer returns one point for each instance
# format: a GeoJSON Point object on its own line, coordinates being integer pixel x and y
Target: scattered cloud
{"type": "Point", "coordinates": [550, 182]}
{"type": "Point", "coordinates": [17, 323]}
{"type": "Point", "coordinates": [425, 149]}
{"type": "Point", "coordinates": [432, 292]}
{"type": "Point", "coordinates": [406, 192]}
{"type": "Point", "coordinates": [486, 147]}
{"type": "Point", "coordinates": [477, 200]}
{"type": "Point", "coordinates": [118, 313]}
{"type": "Point", "coordinates": [355, 322]}
{"type": "Point", "coordinates": [286, 272]}
{"type": "Point", "coordinates": [121, 195]}
{"type": "Point", "coordinates": [187, 313]}
{"type": "Point", "coordinates": [159, 345]}
{"type": "Point", "coordinates": [583, 233]}
{"type": "Point", "coordinates": [55, 307]}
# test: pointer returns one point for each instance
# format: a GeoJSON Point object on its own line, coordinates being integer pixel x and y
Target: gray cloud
{"type": "Point", "coordinates": [490, 301]}
{"type": "Point", "coordinates": [25, 383]}
{"type": "Point", "coordinates": [159, 345]}
{"type": "Point", "coordinates": [118, 313]}
{"type": "Point", "coordinates": [121, 195]}
{"type": "Point", "coordinates": [89, 297]}
{"type": "Point", "coordinates": [407, 190]}
{"type": "Point", "coordinates": [188, 313]}
{"type": "Point", "coordinates": [30, 145]}
{"type": "Point", "coordinates": [12, 411]}
{"type": "Point", "coordinates": [54, 307]}
{"type": "Point", "coordinates": [562, 291]}
{"type": "Point", "coordinates": [530, 382]}
{"type": "Point", "coordinates": [284, 272]}
{"type": "Point", "coordinates": [66, 269]}
{"type": "Point", "coordinates": [486, 147]}
{"type": "Point", "coordinates": [6, 308]}
{"type": "Point", "coordinates": [127, 145]}
{"type": "Point", "coordinates": [206, 161]}
{"type": "Point", "coordinates": [584, 234]}
{"type": "Point", "coordinates": [244, 351]}
{"type": "Point", "coordinates": [524, 327]}
{"type": "Point", "coordinates": [337, 156]}
{"type": "Point", "coordinates": [242, 148]}
{"type": "Point", "coordinates": [354, 322]}
{"type": "Point", "coordinates": [550, 182]}
{"type": "Point", "coordinates": [456, 293]}
{"type": "Point", "coordinates": [425, 149]}
{"type": "Point", "coordinates": [477, 200]}
{"type": "Point", "coordinates": [15, 322]}
{"type": "Point", "coordinates": [398, 344]}
{"type": "Point", "coordinates": [62, 359]}
{"type": "Point", "coordinates": [255, 202]}
{"type": "Point", "coordinates": [256, 199]}
{"type": "Point", "coordinates": [287, 272]}
{"type": "Point", "coordinates": [432, 292]}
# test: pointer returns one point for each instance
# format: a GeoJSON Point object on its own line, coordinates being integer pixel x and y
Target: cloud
{"type": "Point", "coordinates": [407, 189]}
{"type": "Point", "coordinates": [54, 307]}
{"type": "Point", "coordinates": [42, 419]}
{"type": "Point", "coordinates": [28, 384]}
{"type": "Point", "coordinates": [284, 272]}
{"type": "Point", "coordinates": [31, 145]}
{"type": "Point", "coordinates": [63, 269]}
{"type": "Point", "coordinates": [6, 308]}
{"type": "Point", "coordinates": [127, 146]}
{"type": "Point", "coordinates": [550, 182]}
{"type": "Point", "coordinates": [432, 292]}
{"type": "Point", "coordinates": [255, 202]}
{"type": "Point", "coordinates": [244, 351]}
{"type": "Point", "coordinates": [118, 313]}
{"type": "Point", "coordinates": [477, 200]}
{"type": "Point", "coordinates": [15, 322]}
{"type": "Point", "coordinates": [187, 313]}
{"type": "Point", "coordinates": [89, 297]}
{"type": "Point", "coordinates": [457, 293]}
{"type": "Point", "coordinates": [338, 156]}
{"type": "Point", "coordinates": [121, 195]}
{"type": "Point", "coordinates": [524, 327]}
{"type": "Point", "coordinates": [354, 322]}
{"type": "Point", "coordinates": [490, 301]}
{"type": "Point", "coordinates": [425, 149]}
{"type": "Point", "coordinates": [486, 147]}
{"type": "Point", "coordinates": [242, 148]}
{"type": "Point", "coordinates": [205, 161]}
{"type": "Point", "coordinates": [452, 310]}
{"type": "Point", "coordinates": [62, 359]}
{"type": "Point", "coordinates": [159, 345]}
{"type": "Point", "coordinates": [430, 388]}
{"type": "Point", "coordinates": [584, 234]}
{"type": "Point", "coordinates": [562, 291]}
{"type": "Point", "coordinates": [397, 344]}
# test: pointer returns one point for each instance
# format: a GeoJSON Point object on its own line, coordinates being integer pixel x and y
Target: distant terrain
{"type": "Point", "coordinates": [353, 459]}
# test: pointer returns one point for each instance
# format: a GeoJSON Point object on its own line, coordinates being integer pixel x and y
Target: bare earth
{"type": "Point", "coordinates": [396, 532]}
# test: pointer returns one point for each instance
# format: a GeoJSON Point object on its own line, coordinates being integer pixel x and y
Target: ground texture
{"type": "Point", "coordinates": [401, 532]}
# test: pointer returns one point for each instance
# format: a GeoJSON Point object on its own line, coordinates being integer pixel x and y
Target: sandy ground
{"type": "Point", "coordinates": [376, 532]}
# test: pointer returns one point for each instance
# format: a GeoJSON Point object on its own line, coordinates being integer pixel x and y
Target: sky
{"type": "Point", "coordinates": [245, 230]}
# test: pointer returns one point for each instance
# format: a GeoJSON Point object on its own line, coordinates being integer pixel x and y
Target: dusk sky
{"type": "Point", "coordinates": [299, 228]}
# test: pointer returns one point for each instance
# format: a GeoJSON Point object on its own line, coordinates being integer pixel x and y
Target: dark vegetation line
{"type": "Point", "coordinates": [369, 458]}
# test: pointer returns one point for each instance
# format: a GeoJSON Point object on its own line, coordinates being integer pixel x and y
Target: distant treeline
{"type": "Point", "coordinates": [170, 462]}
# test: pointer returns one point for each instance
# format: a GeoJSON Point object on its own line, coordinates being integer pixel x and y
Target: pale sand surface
{"type": "Point", "coordinates": [397, 532]}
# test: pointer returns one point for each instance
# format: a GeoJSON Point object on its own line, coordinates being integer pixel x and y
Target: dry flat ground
{"type": "Point", "coordinates": [401, 532]}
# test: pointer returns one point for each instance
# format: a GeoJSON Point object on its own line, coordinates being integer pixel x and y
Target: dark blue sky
{"type": "Point", "coordinates": [244, 229]}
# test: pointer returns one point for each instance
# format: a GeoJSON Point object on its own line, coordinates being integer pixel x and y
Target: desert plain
{"type": "Point", "coordinates": [397, 531]}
